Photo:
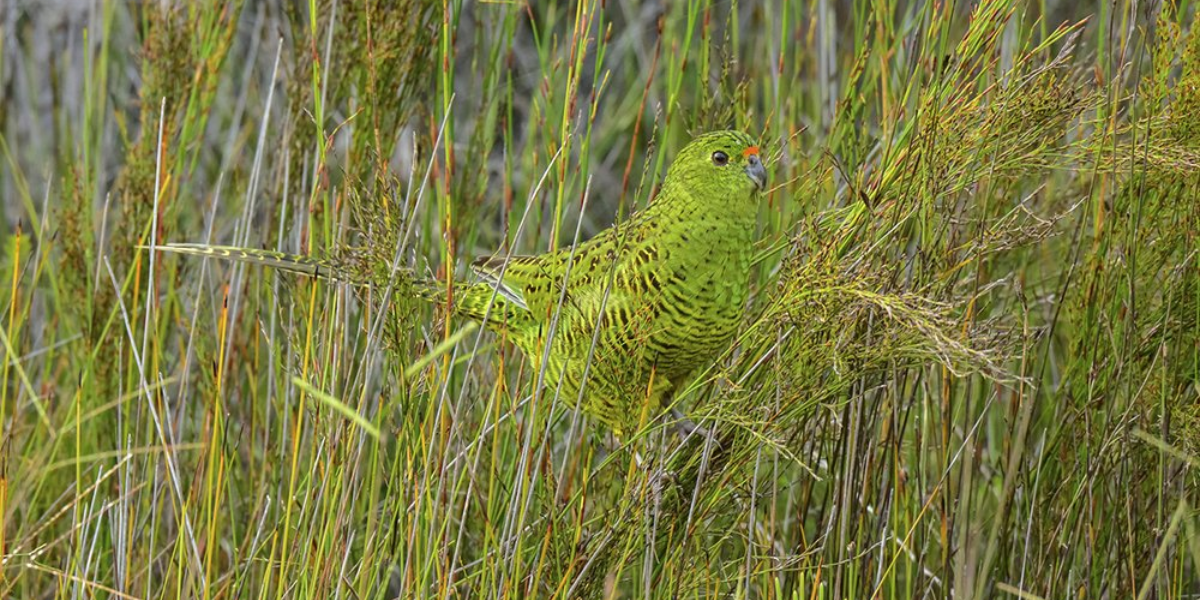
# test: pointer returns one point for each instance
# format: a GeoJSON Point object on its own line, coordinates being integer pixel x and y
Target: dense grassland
{"type": "Point", "coordinates": [970, 366]}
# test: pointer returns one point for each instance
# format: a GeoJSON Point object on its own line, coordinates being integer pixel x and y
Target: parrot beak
{"type": "Point", "coordinates": [755, 169]}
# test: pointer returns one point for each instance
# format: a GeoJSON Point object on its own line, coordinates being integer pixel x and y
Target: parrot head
{"type": "Point", "coordinates": [724, 162]}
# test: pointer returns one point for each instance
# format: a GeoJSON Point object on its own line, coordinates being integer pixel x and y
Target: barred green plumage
{"type": "Point", "coordinates": [634, 311]}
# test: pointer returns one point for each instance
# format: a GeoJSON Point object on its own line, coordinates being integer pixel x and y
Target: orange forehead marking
{"type": "Point", "coordinates": [749, 151]}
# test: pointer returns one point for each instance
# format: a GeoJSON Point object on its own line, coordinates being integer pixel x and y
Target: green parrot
{"type": "Point", "coordinates": [631, 314]}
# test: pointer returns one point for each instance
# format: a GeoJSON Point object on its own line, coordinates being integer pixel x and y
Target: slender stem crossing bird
{"type": "Point", "coordinates": [625, 318]}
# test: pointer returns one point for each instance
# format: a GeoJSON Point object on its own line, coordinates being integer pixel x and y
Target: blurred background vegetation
{"type": "Point", "coordinates": [970, 367]}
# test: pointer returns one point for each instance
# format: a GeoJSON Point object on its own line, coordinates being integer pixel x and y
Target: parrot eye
{"type": "Point", "coordinates": [720, 158]}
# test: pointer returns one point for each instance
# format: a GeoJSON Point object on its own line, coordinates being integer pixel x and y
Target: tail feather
{"type": "Point", "coordinates": [489, 305]}
{"type": "Point", "coordinates": [291, 263]}
{"type": "Point", "coordinates": [485, 302]}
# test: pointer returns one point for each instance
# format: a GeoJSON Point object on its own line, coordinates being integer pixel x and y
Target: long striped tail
{"type": "Point", "coordinates": [291, 263]}
{"type": "Point", "coordinates": [475, 301]}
